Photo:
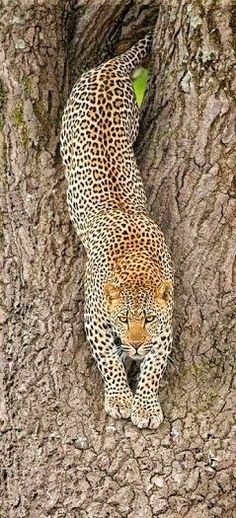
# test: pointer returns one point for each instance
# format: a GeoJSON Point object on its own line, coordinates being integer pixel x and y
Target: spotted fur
{"type": "Point", "coordinates": [129, 282]}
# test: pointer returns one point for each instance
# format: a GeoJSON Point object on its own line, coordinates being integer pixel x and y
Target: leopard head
{"type": "Point", "coordinates": [138, 311]}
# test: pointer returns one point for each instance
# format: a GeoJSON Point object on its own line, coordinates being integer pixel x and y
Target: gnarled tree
{"type": "Point", "coordinates": [61, 455]}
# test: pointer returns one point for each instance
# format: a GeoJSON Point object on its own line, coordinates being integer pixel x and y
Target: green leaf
{"type": "Point", "coordinates": [139, 81]}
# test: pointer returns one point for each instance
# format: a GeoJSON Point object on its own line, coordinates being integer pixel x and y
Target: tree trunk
{"type": "Point", "coordinates": [62, 456]}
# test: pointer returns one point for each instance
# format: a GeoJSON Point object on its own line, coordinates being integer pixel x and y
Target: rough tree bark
{"type": "Point", "coordinates": [61, 455]}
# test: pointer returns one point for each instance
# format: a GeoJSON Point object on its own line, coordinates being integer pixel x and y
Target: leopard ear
{"type": "Point", "coordinates": [113, 295]}
{"type": "Point", "coordinates": [162, 293]}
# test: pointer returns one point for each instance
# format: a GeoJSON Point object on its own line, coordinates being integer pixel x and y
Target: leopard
{"type": "Point", "coordinates": [128, 302]}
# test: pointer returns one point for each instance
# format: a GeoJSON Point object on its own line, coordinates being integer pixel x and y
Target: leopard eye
{"type": "Point", "coordinates": [150, 318]}
{"type": "Point", "coordinates": [123, 319]}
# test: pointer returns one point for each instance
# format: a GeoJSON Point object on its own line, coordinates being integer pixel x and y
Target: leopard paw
{"type": "Point", "coordinates": [119, 405]}
{"type": "Point", "coordinates": [146, 413]}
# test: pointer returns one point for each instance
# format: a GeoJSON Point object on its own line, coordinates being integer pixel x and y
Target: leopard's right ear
{"type": "Point", "coordinates": [113, 295]}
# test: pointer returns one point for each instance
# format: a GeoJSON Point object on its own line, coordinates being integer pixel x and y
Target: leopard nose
{"type": "Point", "coordinates": [136, 345]}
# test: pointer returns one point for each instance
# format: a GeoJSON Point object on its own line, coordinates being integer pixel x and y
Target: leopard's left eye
{"type": "Point", "coordinates": [150, 318]}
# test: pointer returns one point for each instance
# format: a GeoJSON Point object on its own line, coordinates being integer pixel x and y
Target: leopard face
{"type": "Point", "coordinates": [138, 314]}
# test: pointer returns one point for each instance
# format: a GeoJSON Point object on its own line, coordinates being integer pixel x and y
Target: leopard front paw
{"type": "Point", "coordinates": [146, 413]}
{"type": "Point", "coordinates": [119, 405]}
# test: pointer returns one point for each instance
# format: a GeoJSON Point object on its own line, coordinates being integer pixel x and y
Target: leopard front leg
{"type": "Point", "coordinates": [146, 409]}
{"type": "Point", "coordinates": [118, 395]}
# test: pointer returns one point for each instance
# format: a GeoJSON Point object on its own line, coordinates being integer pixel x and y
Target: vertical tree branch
{"type": "Point", "coordinates": [61, 455]}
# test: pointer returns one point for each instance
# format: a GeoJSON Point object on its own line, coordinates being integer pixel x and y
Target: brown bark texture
{"type": "Point", "coordinates": [61, 455]}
